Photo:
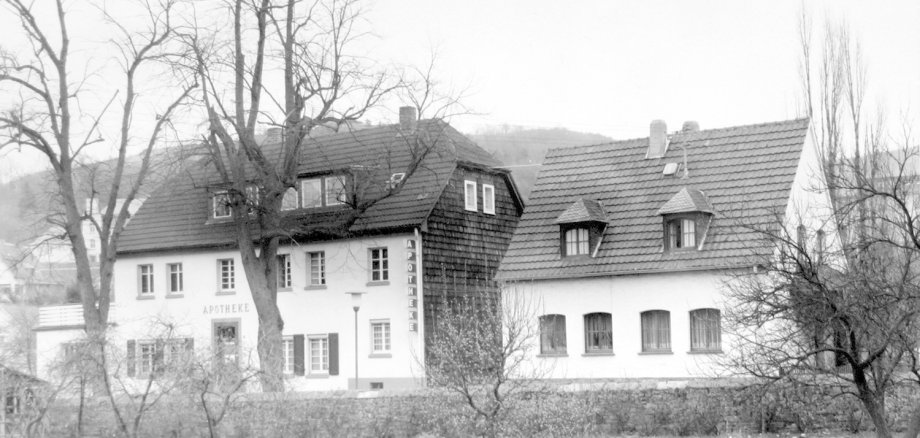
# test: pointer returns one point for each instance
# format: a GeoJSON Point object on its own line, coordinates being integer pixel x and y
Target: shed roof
{"type": "Point", "coordinates": [746, 173]}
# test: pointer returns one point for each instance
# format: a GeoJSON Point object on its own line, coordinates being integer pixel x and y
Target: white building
{"type": "Point", "coordinates": [179, 273]}
{"type": "Point", "coordinates": [624, 246]}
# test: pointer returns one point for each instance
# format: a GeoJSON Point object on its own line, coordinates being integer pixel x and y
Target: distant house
{"type": "Point", "coordinates": [399, 215]}
{"type": "Point", "coordinates": [624, 246]}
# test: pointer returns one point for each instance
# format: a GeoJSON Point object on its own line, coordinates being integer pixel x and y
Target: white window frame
{"type": "Point", "coordinates": [382, 257]}
{"type": "Point", "coordinates": [303, 193]}
{"type": "Point", "coordinates": [174, 277]}
{"type": "Point", "coordinates": [283, 269]}
{"type": "Point", "coordinates": [146, 357]}
{"type": "Point", "coordinates": [386, 338]}
{"type": "Point", "coordinates": [226, 275]}
{"type": "Point", "coordinates": [327, 192]}
{"type": "Point", "coordinates": [318, 364]}
{"type": "Point", "coordinates": [221, 199]}
{"type": "Point", "coordinates": [577, 241]}
{"type": "Point", "coordinates": [287, 354]}
{"type": "Point", "coordinates": [145, 285]}
{"type": "Point", "coordinates": [320, 279]}
{"type": "Point", "coordinates": [488, 199]}
{"type": "Point", "coordinates": [470, 201]}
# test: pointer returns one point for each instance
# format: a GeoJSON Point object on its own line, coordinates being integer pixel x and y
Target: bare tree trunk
{"type": "Point", "coordinates": [913, 425]}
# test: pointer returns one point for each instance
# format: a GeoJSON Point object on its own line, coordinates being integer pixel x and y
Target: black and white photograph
{"type": "Point", "coordinates": [435, 218]}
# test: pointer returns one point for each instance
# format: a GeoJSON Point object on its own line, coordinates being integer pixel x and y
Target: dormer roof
{"type": "Point", "coordinates": [583, 210]}
{"type": "Point", "coordinates": [687, 200]}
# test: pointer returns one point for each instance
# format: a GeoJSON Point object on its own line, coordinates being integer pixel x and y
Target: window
{"type": "Point", "coordinates": [705, 330]}
{"type": "Point", "coordinates": [576, 241]}
{"type": "Point", "coordinates": [92, 243]}
{"type": "Point", "coordinates": [552, 334]}
{"type": "Point", "coordinates": [598, 333]}
{"type": "Point", "coordinates": [311, 193]}
{"type": "Point", "coordinates": [177, 351]}
{"type": "Point", "coordinates": [469, 195]}
{"type": "Point", "coordinates": [145, 279]}
{"type": "Point", "coordinates": [253, 196]}
{"type": "Point", "coordinates": [380, 333]}
{"type": "Point", "coordinates": [220, 205]}
{"type": "Point", "coordinates": [656, 331]}
{"type": "Point", "coordinates": [380, 266]}
{"type": "Point", "coordinates": [317, 268]}
{"type": "Point", "coordinates": [226, 279]}
{"type": "Point", "coordinates": [335, 190]}
{"type": "Point", "coordinates": [488, 198]}
{"type": "Point", "coordinates": [682, 233]}
{"type": "Point", "coordinates": [289, 201]}
{"type": "Point", "coordinates": [174, 280]}
{"type": "Point", "coordinates": [287, 354]}
{"type": "Point", "coordinates": [146, 357]}
{"type": "Point", "coordinates": [319, 354]}
{"type": "Point", "coordinates": [283, 270]}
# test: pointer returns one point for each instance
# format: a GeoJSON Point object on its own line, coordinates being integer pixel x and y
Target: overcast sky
{"type": "Point", "coordinates": [610, 67]}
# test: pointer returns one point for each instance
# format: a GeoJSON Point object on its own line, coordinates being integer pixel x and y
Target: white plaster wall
{"type": "Point", "coordinates": [625, 297]}
{"type": "Point", "coordinates": [306, 312]}
{"type": "Point", "coordinates": [809, 200]}
{"type": "Point", "coordinates": [49, 350]}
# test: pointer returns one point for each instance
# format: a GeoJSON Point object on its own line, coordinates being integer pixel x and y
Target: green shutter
{"type": "Point", "coordinates": [130, 357]}
{"type": "Point", "coordinates": [333, 354]}
{"type": "Point", "coordinates": [298, 355]}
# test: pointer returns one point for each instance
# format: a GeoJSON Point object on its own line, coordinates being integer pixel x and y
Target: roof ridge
{"type": "Point", "coordinates": [725, 128]}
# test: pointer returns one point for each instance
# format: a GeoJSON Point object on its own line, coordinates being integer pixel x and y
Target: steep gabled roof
{"type": "Point", "coordinates": [685, 201]}
{"type": "Point", "coordinates": [746, 173]}
{"type": "Point", "coordinates": [177, 215]}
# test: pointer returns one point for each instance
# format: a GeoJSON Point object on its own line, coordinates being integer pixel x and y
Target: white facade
{"type": "Point", "coordinates": [311, 311]}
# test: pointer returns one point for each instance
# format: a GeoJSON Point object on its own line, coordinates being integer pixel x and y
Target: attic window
{"type": "Point", "coordinates": [670, 169]}
{"type": "Point", "coordinates": [395, 179]}
{"type": "Point", "coordinates": [681, 233]}
{"type": "Point", "coordinates": [581, 228]}
{"type": "Point", "coordinates": [220, 205]}
{"type": "Point", "coordinates": [469, 195]}
{"type": "Point", "coordinates": [687, 216]}
{"type": "Point", "coordinates": [576, 241]}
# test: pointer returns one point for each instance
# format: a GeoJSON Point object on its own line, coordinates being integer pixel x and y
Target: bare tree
{"type": "Point", "coordinates": [51, 116]}
{"type": "Point", "coordinates": [480, 348]}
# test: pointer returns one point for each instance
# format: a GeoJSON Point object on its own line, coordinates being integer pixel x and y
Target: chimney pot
{"type": "Point", "coordinates": [690, 126]}
{"type": "Point", "coordinates": [408, 119]}
{"type": "Point", "coordinates": [657, 139]}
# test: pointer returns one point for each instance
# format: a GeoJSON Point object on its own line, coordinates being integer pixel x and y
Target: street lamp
{"type": "Point", "coordinates": [356, 305]}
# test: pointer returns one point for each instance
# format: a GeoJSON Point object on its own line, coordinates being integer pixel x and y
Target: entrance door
{"type": "Point", "coordinates": [226, 343]}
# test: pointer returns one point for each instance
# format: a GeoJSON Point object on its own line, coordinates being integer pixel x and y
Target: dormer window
{"type": "Point", "coordinates": [581, 228]}
{"type": "Point", "coordinates": [323, 192]}
{"type": "Point", "coordinates": [686, 219]}
{"type": "Point", "coordinates": [682, 233]}
{"type": "Point", "coordinates": [220, 205]}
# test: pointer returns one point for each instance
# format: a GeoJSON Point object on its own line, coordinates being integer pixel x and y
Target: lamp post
{"type": "Point", "coordinates": [356, 305]}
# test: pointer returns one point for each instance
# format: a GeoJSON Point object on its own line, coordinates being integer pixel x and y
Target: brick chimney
{"type": "Point", "coordinates": [657, 139]}
{"type": "Point", "coordinates": [408, 119]}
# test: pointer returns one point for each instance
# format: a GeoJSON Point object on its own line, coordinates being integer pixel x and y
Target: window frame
{"type": "Point", "coordinates": [488, 201]}
{"type": "Point", "coordinates": [283, 276]}
{"type": "Point", "coordinates": [296, 197]}
{"type": "Point", "coordinates": [382, 272]}
{"type": "Point", "coordinates": [469, 188]}
{"type": "Point", "coordinates": [226, 280]}
{"type": "Point", "coordinates": [590, 333]}
{"type": "Point", "coordinates": [651, 331]}
{"type": "Point", "coordinates": [287, 355]}
{"type": "Point", "coordinates": [676, 233]}
{"type": "Point", "coordinates": [175, 277]}
{"type": "Point", "coordinates": [326, 191]}
{"type": "Point", "coordinates": [303, 193]}
{"type": "Point", "coordinates": [311, 279]}
{"type": "Point", "coordinates": [552, 331]}
{"type": "Point", "coordinates": [578, 243]}
{"type": "Point", "coordinates": [323, 358]}
{"type": "Point", "coordinates": [148, 359]}
{"type": "Point", "coordinates": [215, 198]}
{"type": "Point", "coordinates": [711, 331]}
{"type": "Point", "coordinates": [145, 280]}
{"type": "Point", "coordinates": [386, 344]}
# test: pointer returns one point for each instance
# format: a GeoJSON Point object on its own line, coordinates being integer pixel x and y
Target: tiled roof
{"type": "Point", "coordinates": [583, 210]}
{"type": "Point", "coordinates": [746, 173]}
{"type": "Point", "coordinates": [686, 201]}
{"type": "Point", "coordinates": [177, 215]}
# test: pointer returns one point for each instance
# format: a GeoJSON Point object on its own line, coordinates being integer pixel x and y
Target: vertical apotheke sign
{"type": "Point", "coordinates": [412, 280]}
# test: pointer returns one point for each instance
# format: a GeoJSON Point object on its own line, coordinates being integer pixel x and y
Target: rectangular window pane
{"type": "Point", "coordinates": [469, 195]}
{"type": "Point", "coordinates": [705, 330]}
{"type": "Point", "coordinates": [221, 205]}
{"type": "Point", "coordinates": [227, 280]}
{"type": "Point", "coordinates": [552, 334]}
{"type": "Point", "coordinates": [689, 233]}
{"type": "Point", "coordinates": [289, 201]}
{"type": "Point", "coordinates": [380, 265]}
{"type": "Point", "coordinates": [175, 277]}
{"type": "Point", "coordinates": [656, 331]}
{"type": "Point", "coordinates": [381, 337]}
{"type": "Point", "coordinates": [311, 193]}
{"type": "Point", "coordinates": [283, 270]}
{"type": "Point", "coordinates": [488, 199]}
{"type": "Point", "coordinates": [287, 353]}
{"type": "Point", "coordinates": [317, 268]}
{"type": "Point", "coordinates": [145, 279]}
{"type": "Point", "coordinates": [598, 332]}
{"type": "Point", "coordinates": [335, 190]}
{"type": "Point", "coordinates": [319, 354]}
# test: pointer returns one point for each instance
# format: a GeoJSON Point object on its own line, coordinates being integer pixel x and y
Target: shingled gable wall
{"type": "Point", "coordinates": [462, 249]}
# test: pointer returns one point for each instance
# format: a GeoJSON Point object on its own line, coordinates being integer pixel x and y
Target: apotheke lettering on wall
{"type": "Point", "coordinates": [217, 309]}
